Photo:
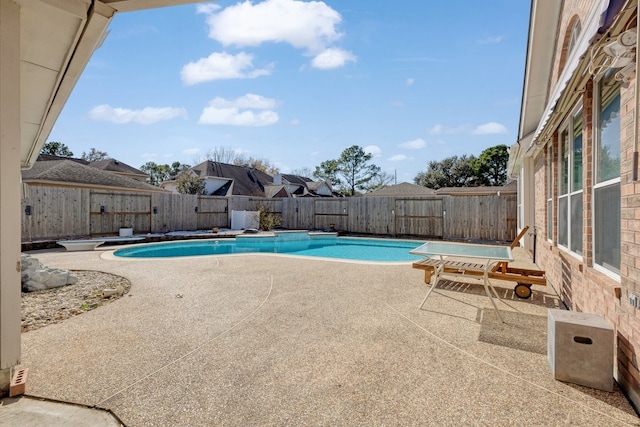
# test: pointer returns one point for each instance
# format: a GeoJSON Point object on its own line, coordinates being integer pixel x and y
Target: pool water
{"type": "Point", "coordinates": [325, 246]}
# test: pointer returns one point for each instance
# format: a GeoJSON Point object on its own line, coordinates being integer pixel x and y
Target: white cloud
{"type": "Point", "coordinates": [397, 158]}
{"type": "Point", "coordinates": [146, 116]}
{"type": "Point", "coordinates": [207, 8]}
{"type": "Point", "coordinates": [491, 40]}
{"type": "Point", "coordinates": [249, 110]}
{"type": "Point", "coordinates": [410, 81]}
{"type": "Point", "coordinates": [490, 128]}
{"type": "Point", "coordinates": [249, 100]}
{"type": "Point", "coordinates": [219, 66]}
{"type": "Point", "coordinates": [235, 117]}
{"type": "Point", "coordinates": [436, 129]}
{"type": "Point", "coordinates": [374, 150]}
{"type": "Point", "coordinates": [332, 58]}
{"type": "Point", "coordinates": [414, 144]}
{"type": "Point", "coordinates": [308, 25]}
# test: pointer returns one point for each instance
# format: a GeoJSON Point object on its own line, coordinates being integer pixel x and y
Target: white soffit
{"type": "Point", "coordinates": [543, 30]}
{"type": "Point", "coordinates": [57, 39]}
{"type": "Point", "coordinates": [133, 5]}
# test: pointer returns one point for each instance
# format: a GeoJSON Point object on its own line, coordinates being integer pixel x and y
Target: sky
{"type": "Point", "coordinates": [296, 82]}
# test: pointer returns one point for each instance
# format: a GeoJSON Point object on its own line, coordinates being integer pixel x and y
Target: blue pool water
{"type": "Point", "coordinates": [326, 246]}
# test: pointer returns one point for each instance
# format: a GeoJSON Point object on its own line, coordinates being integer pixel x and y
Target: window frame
{"type": "Point", "coordinates": [597, 110]}
{"type": "Point", "coordinates": [550, 203]}
{"type": "Point", "coordinates": [567, 192]}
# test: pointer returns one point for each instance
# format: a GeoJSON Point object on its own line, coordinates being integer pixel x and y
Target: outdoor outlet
{"type": "Point", "coordinates": [634, 300]}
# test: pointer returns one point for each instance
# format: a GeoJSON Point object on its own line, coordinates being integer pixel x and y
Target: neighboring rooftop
{"type": "Point", "coordinates": [69, 172]}
{"type": "Point", "coordinates": [247, 181]}
{"type": "Point", "coordinates": [118, 167]}
{"type": "Point", "coordinates": [510, 187]}
{"type": "Point", "coordinates": [402, 189]}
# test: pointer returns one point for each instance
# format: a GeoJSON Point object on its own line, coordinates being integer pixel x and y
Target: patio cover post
{"type": "Point", "coordinates": [10, 287]}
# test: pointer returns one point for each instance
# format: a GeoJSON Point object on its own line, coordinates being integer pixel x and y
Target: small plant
{"type": "Point", "coordinates": [268, 220]}
{"type": "Point", "coordinates": [88, 307]}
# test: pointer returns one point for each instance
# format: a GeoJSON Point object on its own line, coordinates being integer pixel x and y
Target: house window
{"type": "Point", "coordinates": [570, 185]}
{"type": "Point", "coordinates": [606, 191]}
{"type": "Point", "coordinates": [550, 192]}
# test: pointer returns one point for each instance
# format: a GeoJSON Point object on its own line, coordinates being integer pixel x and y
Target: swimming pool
{"type": "Point", "coordinates": [314, 245]}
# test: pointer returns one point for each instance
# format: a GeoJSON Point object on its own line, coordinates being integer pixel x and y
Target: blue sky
{"type": "Point", "coordinates": [297, 82]}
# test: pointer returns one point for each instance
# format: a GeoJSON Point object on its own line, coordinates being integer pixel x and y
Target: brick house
{"type": "Point", "coordinates": [576, 161]}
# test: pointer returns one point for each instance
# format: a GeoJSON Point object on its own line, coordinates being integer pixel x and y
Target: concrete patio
{"type": "Point", "coordinates": [275, 340]}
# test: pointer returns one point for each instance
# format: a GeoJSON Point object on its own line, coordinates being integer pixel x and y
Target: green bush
{"type": "Point", "coordinates": [268, 220]}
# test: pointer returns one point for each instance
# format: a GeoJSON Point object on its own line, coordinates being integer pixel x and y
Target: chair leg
{"type": "Point", "coordinates": [437, 271]}
{"type": "Point", "coordinates": [427, 296]}
{"type": "Point", "coordinates": [486, 289]}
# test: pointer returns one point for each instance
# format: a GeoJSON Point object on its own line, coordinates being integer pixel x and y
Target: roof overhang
{"type": "Point", "coordinates": [543, 30]}
{"type": "Point", "coordinates": [574, 67]}
{"type": "Point", "coordinates": [57, 39]}
{"type": "Point", "coordinates": [540, 102]}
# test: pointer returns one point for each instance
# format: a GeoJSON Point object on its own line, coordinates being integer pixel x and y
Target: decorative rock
{"type": "Point", "coordinates": [37, 277]}
{"type": "Point", "coordinates": [56, 278]}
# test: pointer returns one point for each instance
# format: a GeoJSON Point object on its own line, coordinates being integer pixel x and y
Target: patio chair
{"type": "Point", "coordinates": [524, 277]}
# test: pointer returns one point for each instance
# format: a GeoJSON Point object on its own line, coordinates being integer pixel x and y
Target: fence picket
{"type": "Point", "coordinates": [63, 212]}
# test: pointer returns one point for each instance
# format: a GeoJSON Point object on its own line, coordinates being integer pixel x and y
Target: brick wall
{"type": "Point", "coordinates": [628, 317]}
{"type": "Point", "coordinates": [572, 11]}
{"type": "Point", "coordinates": [582, 286]}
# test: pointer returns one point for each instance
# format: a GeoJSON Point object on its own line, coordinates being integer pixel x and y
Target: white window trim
{"type": "Point", "coordinates": [569, 126]}
{"type": "Point", "coordinates": [596, 141]}
{"type": "Point", "coordinates": [549, 198]}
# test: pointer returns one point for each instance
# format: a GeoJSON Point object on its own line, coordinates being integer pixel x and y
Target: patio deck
{"type": "Point", "coordinates": [269, 340]}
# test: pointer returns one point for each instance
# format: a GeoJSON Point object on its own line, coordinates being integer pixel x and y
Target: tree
{"type": "Point", "coordinates": [160, 173]}
{"type": "Point", "coordinates": [352, 172]}
{"type": "Point", "coordinates": [222, 155]}
{"type": "Point", "coordinates": [491, 167]}
{"type": "Point", "coordinates": [190, 184]}
{"type": "Point", "coordinates": [451, 172]}
{"type": "Point", "coordinates": [177, 168]}
{"type": "Point", "coordinates": [94, 155]}
{"type": "Point", "coordinates": [303, 172]}
{"type": "Point", "coordinates": [260, 164]}
{"type": "Point", "coordinates": [55, 148]}
{"type": "Point", "coordinates": [235, 157]}
{"type": "Point", "coordinates": [157, 173]}
{"type": "Point", "coordinates": [381, 180]}
{"type": "Point", "coordinates": [328, 171]}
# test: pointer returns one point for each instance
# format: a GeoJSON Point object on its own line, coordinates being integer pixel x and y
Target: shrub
{"type": "Point", "coordinates": [268, 220]}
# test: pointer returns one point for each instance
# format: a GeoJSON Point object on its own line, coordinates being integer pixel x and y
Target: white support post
{"type": "Point", "coordinates": [9, 191]}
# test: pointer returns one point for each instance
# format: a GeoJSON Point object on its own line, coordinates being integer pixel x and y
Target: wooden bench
{"type": "Point", "coordinates": [523, 277]}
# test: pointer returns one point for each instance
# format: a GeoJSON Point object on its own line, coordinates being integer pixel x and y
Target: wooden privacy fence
{"type": "Point", "coordinates": [50, 213]}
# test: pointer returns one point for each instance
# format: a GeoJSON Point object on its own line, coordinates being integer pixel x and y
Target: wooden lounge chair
{"type": "Point", "coordinates": [523, 277]}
